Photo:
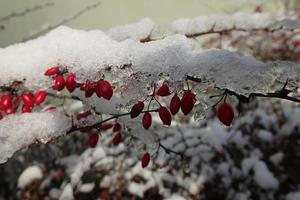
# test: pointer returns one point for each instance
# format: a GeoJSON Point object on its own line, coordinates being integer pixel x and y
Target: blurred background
{"type": "Point", "coordinates": [22, 20]}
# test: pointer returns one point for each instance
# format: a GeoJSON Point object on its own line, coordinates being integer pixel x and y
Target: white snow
{"type": "Point", "coordinates": [19, 131]}
{"type": "Point", "coordinates": [173, 55]}
{"type": "Point", "coordinates": [86, 188]}
{"type": "Point", "coordinates": [204, 24]}
{"type": "Point", "coordinates": [265, 135]}
{"type": "Point", "coordinates": [67, 193]}
{"type": "Point", "coordinates": [28, 175]}
{"type": "Point", "coordinates": [293, 195]}
{"type": "Point", "coordinates": [140, 30]}
{"type": "Point", "coordinates": [263, 177]}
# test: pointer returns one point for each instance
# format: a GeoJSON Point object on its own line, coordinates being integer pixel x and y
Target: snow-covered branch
{"type": "Point", "coordinates": [133, 67]}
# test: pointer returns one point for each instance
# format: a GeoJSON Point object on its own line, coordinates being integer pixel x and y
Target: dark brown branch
{"type": "Point", "coordinates": [224, 31]}
{"type": "Point", "coordinates": [63, 96]}
{"type": "Point", "coordinates": [168, 151]}
{"type": "Point", "coordinates": [76, 128]}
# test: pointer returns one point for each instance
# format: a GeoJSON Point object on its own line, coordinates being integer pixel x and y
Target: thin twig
{"type": "Point", "coordinates": [26, 11]}
{"type": "Point", "coordinates": [64, 21]}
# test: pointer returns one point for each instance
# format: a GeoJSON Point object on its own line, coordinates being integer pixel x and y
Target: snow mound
{"type": "Point", "coordinates": [19, 131]}
{"type": "Point", "coordinates": [28, 175]}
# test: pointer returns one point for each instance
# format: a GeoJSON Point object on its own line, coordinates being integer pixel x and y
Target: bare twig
{"type": "Point", "coordinates": [64, 21]}
{"type": "Point", "coordinates": [26, 11]}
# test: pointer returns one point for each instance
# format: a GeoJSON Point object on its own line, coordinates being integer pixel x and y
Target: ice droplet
{"type": "Point", "coordinates": [200, 109]}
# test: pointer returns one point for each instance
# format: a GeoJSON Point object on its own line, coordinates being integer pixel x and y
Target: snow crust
{"type": "Point", "coordinates": [19, 131]}
{"type": "Point", "coordinates": [204, 24]}
{"type": "Point", "coordinates": [91, 52]}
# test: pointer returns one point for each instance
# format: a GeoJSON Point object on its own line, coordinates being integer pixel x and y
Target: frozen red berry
{"type": "Point", "coordinates": [49, 108]}
{"type": "Point", "coordinates": [83, 114]}
{"type": "Point", "coordinates": [147, 120]}
{"type": "Point", "coordinates": [26, 109]}
{"type": "Point", "coordinates": [6, 101]}
{"type": "Point", "coordinates": [52, 71]}
{"type": "Point", "coordinates": [187, 102]}
{"type": "Point", "coordinates": [137, 109]}
{"type": "Point", "coordinates": [145, 160]}
{"type": "Point", "coordinates": [89, 88]}
{"type": "Point", "coordinates": [225, 113]}
{"type": "Point", "coordinates": [163, 91]}
{"type": "Point", "coordinates": [86, 129]}
{"type": "Point", "coordinates": [59, 83]}
{"type": "Point", "coordinates": [70, 82]}
{"type": "Point", "coordinates": [40, 97]}
{"type": "Point", "coordinates": [104, 89]}
{"type": "Point", "coordinates": [27, 99]}
{"type": "Point", "coordinates": [106, 126]}
{"type": "Point", "coordinates": [117, 127]}
{"type": "Point", "coordinates": [93, 140]}
{"type": "Point", "coordinates": [175, 104]}
{"type": "Point", "coordinates": [165, 115]}
{"type": "Point", "coordinates": [117, 138]}
{"type": "Point", "coordinates": [10, 111]}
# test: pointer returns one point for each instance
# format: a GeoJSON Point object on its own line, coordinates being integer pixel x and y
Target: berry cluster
{"type": "Point", "coordinates": [185, 104]}
{"type": "Point", "coordinates": [102, 88]}
{"type": "Point", "coordinates": [11, 101]}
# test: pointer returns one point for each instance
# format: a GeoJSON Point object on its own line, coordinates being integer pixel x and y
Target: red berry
{"type": "Point", "coordinates": [187, 102]}
{"type": "Point", "coordinates": [163, 90]}
{"type": "Point", "coordinates": [89, 88]}
{"type": "Point", "coordinates": [10, 111]}
{"type": "Point", "coordinates": [83, 114]}
{"type": "Point", "coordinates": [145, 160]}
{"type": "Point", "coordinates": [106, 126]}
{"type": "Point", "coordinates": [117, 127]}
{"type": "Point", "coordinates": [93, 140]}
{"type": "Point", "coordinates": [6, 101]}
{"type": "Point", "coordinates": [147, 120]}
{"type": "Point", "coordinates": [165, 115]}
{"type": "Point", "coordinates": [86, 129]}
{"type": "Point", "coordinates": [52, 71]}
{"type": "Point", "coordinates": [1, 116]}
{"type": "Point", "coordinates": [59, 83]}
{"type": "Point", "coordinates": [40, 97]}
{"type": "Point", "coordinates": [136, 109]}
{"type": "Point", "coordinates": [26, 109]}
{"type": "Point", "coordinates": [27, 98]}
{"type": "Point", "coordinates": [175, 104]}
{"type": "Point", "coordinates": [117, 138]}
{"type": "Point", "coordinates": [225, 113]}
{"type": "Point", "coordinates": [104, 89]}
{"type": "Point", "coordinates": [70, 82]}
{"type": "Point", "coordinates": [49, 108]}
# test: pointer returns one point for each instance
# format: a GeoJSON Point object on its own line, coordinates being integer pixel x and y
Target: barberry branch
{"type": "Point", "coordinates": [168, 151]}
{"type": "Point", "coordinates": [59, 96]}
{"type": "Point", "coordinates": [76, 128]}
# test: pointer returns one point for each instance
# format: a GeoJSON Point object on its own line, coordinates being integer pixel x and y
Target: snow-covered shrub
{"type": "Point", "coordinates": [146, 89]}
